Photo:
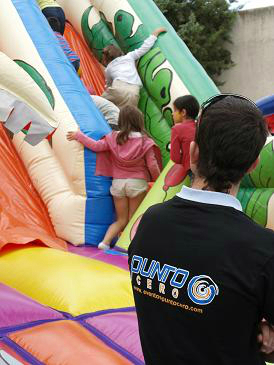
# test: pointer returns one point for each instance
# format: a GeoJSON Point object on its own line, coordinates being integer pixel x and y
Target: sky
{"type": "Point", "coordinates": [251, 4]}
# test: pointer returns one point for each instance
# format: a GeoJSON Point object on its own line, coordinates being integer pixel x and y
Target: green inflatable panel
{"type": "Point", "coordinates": [167, 71]}
{"type": "Point", "coordinates": [161, 70]}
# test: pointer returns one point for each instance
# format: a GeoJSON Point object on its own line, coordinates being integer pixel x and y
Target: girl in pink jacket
{"type": "Point", "coordinates": [128, 156]}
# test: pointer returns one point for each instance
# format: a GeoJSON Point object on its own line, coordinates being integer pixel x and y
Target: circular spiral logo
{"type": "Point", "coordinates": [202, 290]}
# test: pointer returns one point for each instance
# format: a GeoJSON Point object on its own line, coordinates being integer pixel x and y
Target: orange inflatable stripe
{"type": "Point", "coordinates": [92, 72]}
{"type": "Point", "coordinates": [10, 352]}
{"type": "Point", "coordinates": [24, 217]}
{"type": "Point", "coordinates": [66, 343]}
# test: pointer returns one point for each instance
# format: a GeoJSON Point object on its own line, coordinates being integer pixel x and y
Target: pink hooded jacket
{"type": "Point", "coordinates": [135, 159]}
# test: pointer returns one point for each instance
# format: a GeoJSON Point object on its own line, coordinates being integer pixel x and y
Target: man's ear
{"type": "Point", "coordinates": [254, 165]}
{"type": "Point", "coordinates": [194, 155]}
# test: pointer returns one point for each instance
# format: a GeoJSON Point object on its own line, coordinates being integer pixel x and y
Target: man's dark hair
{"type": "Point", "coordinates": [54, 24]}
{"type": "Point", "coordinates": [230, 136]}
{"type": "Point", "coordinates": [189, 103]}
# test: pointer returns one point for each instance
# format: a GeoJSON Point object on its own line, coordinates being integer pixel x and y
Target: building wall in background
{"type": "Point", "coordinates": [253, 54]}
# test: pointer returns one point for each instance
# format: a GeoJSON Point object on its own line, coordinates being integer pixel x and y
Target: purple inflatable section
{"type": "Point", "coordinates": [121, 328]}
{"type": "Point", "coordinates": [17, 309]}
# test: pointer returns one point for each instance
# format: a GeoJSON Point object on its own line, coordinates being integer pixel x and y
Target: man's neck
{"type": "Point", "coordinates": [186, 120]}
{"type": "Point", "coordinates": [200, 184]}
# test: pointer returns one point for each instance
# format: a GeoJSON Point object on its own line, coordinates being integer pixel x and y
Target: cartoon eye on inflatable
{"type": "Point", "coordinates": [202, 290]}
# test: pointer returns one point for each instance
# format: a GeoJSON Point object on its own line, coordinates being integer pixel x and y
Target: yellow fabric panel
{"type": "Point", "coordinates": [45, 3]}
{"type": "Point", "coordinates": [65, 281]}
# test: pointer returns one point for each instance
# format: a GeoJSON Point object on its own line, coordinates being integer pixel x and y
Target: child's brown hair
{"type": "Point", "coordinates": [110, 53]}
{"type": "Point", "coordinates": [131, 119]}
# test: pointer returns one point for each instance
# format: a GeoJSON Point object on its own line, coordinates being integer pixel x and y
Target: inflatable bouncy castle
{"type": "Point", "coordinates": [266, 105]}
{"type": "Point", "coordinates": [62, 301]}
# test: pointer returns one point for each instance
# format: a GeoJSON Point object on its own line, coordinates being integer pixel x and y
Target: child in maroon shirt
{"type": "Point", "coordinates": [186, 109]}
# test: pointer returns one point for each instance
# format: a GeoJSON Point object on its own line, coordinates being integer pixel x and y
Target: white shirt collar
{"type": "Point", "coordinates": [135, 135]}
{"type": "Point", "coordinates": [209, 197]}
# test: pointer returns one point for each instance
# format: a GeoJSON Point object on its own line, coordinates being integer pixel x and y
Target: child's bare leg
{"type": "Point", "coordinates": [121, 208]}
{"type": "Point", "coordinates": [134, 204]}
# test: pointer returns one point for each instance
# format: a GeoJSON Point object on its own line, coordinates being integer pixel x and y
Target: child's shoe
{"type": "Point", "coordinates": [103, 246]}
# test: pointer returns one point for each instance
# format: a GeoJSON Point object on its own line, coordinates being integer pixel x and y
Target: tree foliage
{"type": "Point", "coordinates": [205, 27]}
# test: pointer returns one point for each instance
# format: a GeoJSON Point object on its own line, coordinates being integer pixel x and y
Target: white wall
{"type": "Point", "coordinates": [253, 54]}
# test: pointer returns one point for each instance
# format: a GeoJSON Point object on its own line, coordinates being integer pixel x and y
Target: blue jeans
{"type": "Point", "coordinates": [76, 65]}
{"type": "Point", "coordinates": [56, 12]}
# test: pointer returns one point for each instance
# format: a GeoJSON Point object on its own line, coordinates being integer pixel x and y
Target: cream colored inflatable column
{"type": "Point", "coordinates": [58, 174]}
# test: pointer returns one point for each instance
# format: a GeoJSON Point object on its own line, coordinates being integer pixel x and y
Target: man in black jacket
{"type": "Point", "coordinates": [202, 272]}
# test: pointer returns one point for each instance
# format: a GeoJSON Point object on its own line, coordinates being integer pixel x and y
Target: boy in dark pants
{"type": "Point", "coordinates": [71, 55]}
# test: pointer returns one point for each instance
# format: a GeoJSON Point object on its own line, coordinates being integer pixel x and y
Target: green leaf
{"type": "Point", "coordinates": [157, 120]}
{"type": "Point", "coordinates": [257, 207]}
{"type": "Point", "coordinates": [40, 81]}
{"type": "Point", "coordinates": [247, 182]}
{"type": "Point", "coordinates": [108, 24]}
{"type": "Point", "coordinates": [158, 83]}
{"type": "Point", "coordinates": [263, 175]}
{"type": "Point", "coordinates": [124, 22]}
{"type": "Point", "coordinates": [167, 113]}
{"type": "Point", "coordinates": [154, 121]}
{"type": "Point", "coordinates": [99, 36]}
